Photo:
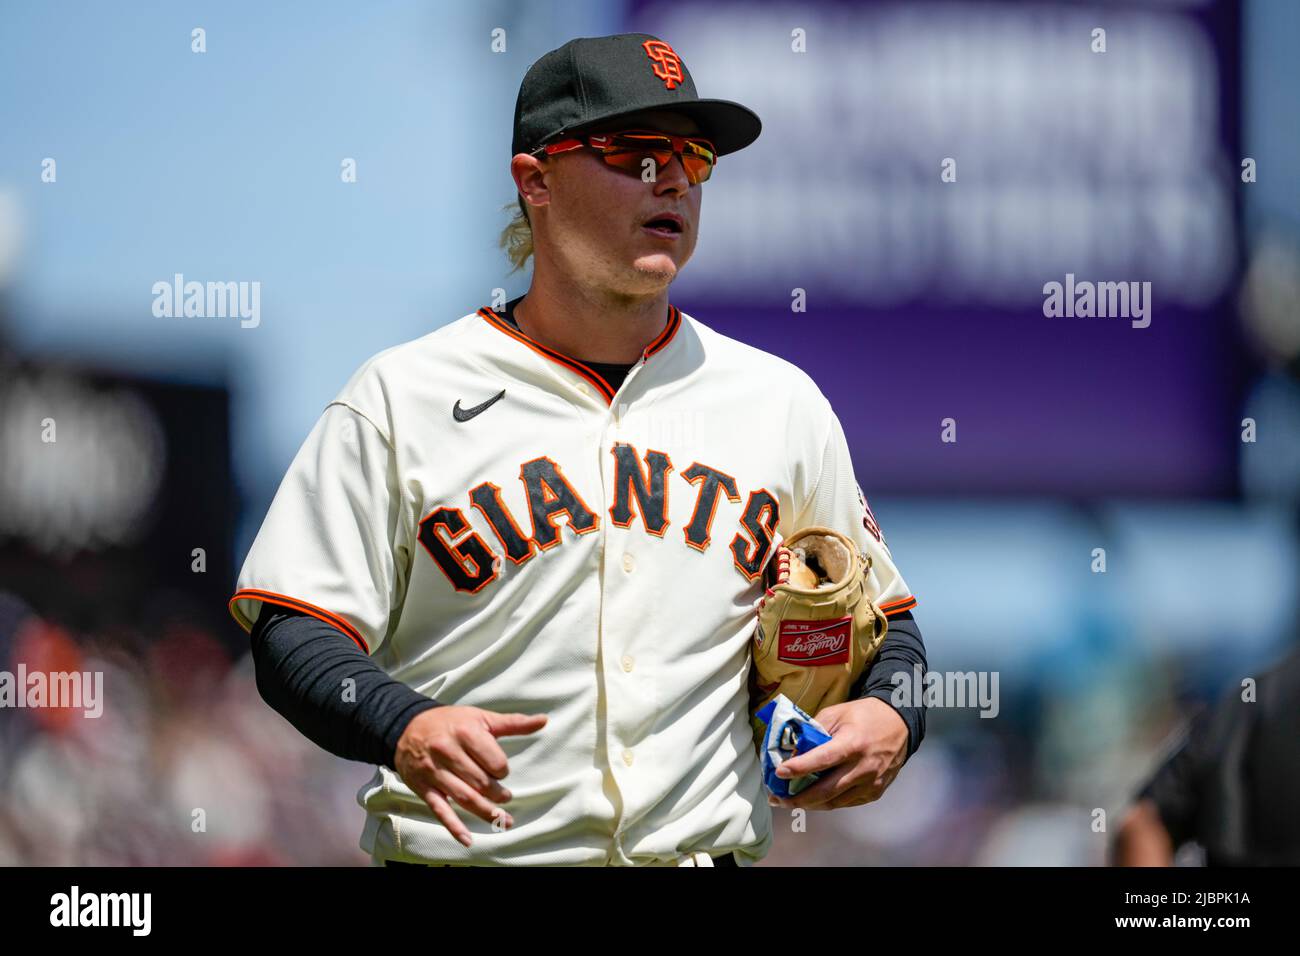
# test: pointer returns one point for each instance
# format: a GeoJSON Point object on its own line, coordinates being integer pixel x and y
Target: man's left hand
{"type": "Point", "coordinates": [869, 748]}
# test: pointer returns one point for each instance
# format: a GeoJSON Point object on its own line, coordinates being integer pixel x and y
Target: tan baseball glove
{"type": "Point", "coordinates": [817, 627]}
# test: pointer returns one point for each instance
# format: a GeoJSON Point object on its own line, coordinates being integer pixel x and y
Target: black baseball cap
{"type": "Point", "coordinates": [591, 80]}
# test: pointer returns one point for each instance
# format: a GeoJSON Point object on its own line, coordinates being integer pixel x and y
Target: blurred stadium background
{"type": "Point", "coordinates": [1073, 434]}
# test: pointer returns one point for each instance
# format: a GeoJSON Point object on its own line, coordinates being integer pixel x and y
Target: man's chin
{"type": "Point", "coordinates": [658, 267]}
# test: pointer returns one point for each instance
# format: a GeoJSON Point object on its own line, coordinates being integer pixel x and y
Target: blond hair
{"type": "Point", "coordinates": [517, 236]}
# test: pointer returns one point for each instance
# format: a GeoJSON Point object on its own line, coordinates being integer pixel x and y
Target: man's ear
{"type": "Point", "coordinates": [528, 173]}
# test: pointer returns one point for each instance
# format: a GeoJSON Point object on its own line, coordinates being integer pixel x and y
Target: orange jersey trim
{"type": "Point", "coordinates": [591, 375]}
{"type": "Point", "coordinates": [899, 606]}
{"type": "Point", "coordinates": [666, 336]}
{"type": "Point", "coordinates": [270, 597]}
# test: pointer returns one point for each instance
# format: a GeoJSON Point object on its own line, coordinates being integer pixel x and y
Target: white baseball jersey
{"type": "Point", "coordinates": [592, 555]}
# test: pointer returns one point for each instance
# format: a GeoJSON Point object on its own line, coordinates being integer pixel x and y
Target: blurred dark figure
{"type": "Point", "coordinates": [1232, 785]}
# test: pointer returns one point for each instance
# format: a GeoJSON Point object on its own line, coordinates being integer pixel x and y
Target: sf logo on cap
{"type": "Point", "coordinates": [667, 64]}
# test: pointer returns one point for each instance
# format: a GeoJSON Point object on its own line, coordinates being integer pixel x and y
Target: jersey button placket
{"type": "Point", "coordinates": [626, 709]}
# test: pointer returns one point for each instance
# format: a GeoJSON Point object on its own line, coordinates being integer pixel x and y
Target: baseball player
{"type": "Point", "coordinates": [516, 563]}
{"type": "Point", "coordinates": [1230, 784]}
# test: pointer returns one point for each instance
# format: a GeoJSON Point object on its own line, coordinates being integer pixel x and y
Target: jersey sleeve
{"type": "Point", "coordinates": [333, 543]}
{"type": "Point", "coordinates": [837, 502]}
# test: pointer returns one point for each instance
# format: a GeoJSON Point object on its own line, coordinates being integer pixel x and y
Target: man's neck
{"type": "Point", "coordinates": [588, 326]}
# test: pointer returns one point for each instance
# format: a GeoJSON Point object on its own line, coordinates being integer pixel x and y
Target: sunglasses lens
{"type": "Point", "coordinates": [698, 168]}
{"type": "Point", "coordinates": [629, 153]}
{"type": "Point", "coordinates": [701, 149]}
{"type": "Point", "coordinates": [634, 160]}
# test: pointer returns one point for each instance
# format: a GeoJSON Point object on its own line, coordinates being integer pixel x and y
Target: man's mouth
{"type": "Point", "coordinates": [665, 226]}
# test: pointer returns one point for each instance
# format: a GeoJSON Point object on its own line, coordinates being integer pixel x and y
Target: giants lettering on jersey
{"type": "Point", "coordinates": [868, 518]}
{"type": "Point", "coordinates": [642, 485]}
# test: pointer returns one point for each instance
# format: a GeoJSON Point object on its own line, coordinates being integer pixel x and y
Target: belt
{"type": "Point", "coordinates": [722, 859]}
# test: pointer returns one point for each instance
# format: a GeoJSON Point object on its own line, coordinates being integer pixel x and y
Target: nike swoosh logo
{"type": "Point", "coordinates": [465, 414]}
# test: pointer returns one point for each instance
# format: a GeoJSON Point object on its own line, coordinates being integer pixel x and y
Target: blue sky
{"type": "Point", "coordinates": [225, 166]}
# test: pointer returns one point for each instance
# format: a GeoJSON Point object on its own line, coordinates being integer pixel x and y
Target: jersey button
{"type": "Point", "coordinates": [627, 663]}
{"type": "Point", "coordinates": [628, 563]}
{"type": "Point", "coordinates": [627, 757]}
{"type": "Point", "coordinates": [584, 389]}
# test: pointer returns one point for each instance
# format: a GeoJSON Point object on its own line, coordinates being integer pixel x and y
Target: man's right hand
{"type": "Point", "coordinates": [451, 753]}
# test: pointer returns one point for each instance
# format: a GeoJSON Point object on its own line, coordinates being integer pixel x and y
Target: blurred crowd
{"type": "Point", "coordinates": [185, 766]}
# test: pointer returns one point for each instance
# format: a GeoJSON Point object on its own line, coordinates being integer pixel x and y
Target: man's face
{"type": "Point", "coordinates": [595, 219]}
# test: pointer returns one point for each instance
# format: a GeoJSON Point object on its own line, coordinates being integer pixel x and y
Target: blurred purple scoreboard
{"type": "Point", "coordinates": [926, 170]}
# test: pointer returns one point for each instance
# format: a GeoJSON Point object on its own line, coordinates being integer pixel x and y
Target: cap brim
{"type": "Point", "coordinates": [729, 125]}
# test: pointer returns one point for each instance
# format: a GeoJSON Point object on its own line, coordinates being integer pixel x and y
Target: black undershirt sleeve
{"type": "Point", "coordinates": [302, 664]}
{"type": "Point", "coordinates": [902, 650]}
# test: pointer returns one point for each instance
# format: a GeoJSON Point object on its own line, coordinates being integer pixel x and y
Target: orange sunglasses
{"type": "Point", "coordinates": [628, 149]}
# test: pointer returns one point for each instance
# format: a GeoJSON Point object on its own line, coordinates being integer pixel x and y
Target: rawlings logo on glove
{"type": "Point", "coordinates": [817, 627]}
{"type": "Point", "coordinates": [814, 643]}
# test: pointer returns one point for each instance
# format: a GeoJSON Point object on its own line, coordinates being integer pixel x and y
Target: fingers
{"type": "Point", "coordinates": [829, 754]}
{"type": "Point", "coordinates": [838, 789]}
{"type": "Point", "coordinates": [861, 793]}
{"type": "Point", "coordinates": [468, 766]}
{"type": "Point", "coordinates": [489, 761]}
{"type": "Point", "coordinates": [852, 796]}
{"type": "Point", "coordinates": [822, 792]}
{"type": "Point", "coordinates": [452, 757]}
{"type": "Point", "coordinates": [443, 811]}
{"type": "Point", "coordinates": [473, 801]}
{"type": "Point", "coordinates": [452, 775]}
{"type": "Point", "coordinates": [487, 754]}
{"type": "Point", "coordinates": [510, 725]}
